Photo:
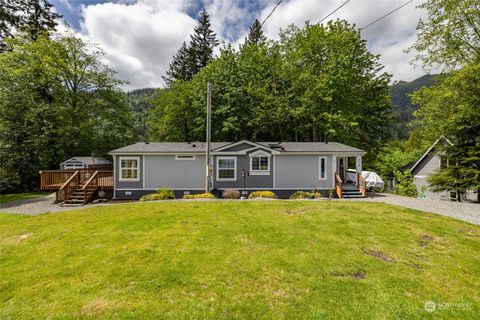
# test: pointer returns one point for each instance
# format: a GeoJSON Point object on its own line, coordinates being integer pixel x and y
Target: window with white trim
{"type": "Point", "coordinates": [129, 168]}
{"type": "Point", "coordinates": [322, 168]}
{"type": "Point", "coordinates": [260, 164]}
{"type": "Point", "coordinates": [226, 168]}
{"type": "Point", "coordinates": [74, 166]}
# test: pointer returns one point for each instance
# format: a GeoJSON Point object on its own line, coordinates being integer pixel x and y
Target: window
{"type": "Point", "coordinates": [184, 157]}
{"type": "Point", "coordinates": [322, 168]}
{"type": "Point", "coordinates": [259, 165]}
{"type": "Point", "coordinates": [129, 169]}
{"type": "Point", "coordinates": [226, 168]}
{"type": "Point", "coordinates": [73, 166]}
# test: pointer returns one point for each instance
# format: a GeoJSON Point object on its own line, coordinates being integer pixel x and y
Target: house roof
{"type": "Point", "coordinates": [198, 147]}
{"type": "Point", "coordinates": [415, 164]}
{"type": "Point", "coordinates": [89, 160]}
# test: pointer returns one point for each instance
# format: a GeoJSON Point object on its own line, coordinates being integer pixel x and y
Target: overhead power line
{"type": "Point", "coordinates": [338, 8]}
{"type": "Point", "coordinates": [261, 25]}
{"type": "Point", "coordinates": [386, 15]}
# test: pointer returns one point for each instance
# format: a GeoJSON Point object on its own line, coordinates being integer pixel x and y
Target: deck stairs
{"type": "Point", "coordinates": [351, 191]}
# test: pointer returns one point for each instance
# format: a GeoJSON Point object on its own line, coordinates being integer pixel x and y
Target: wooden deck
{"type": "Point", "coordinates": [76, 187]}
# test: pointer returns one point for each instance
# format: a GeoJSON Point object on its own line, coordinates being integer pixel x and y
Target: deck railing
{"type": "Point", "coordinates": [68, 187]}
{"type": "Point", "coordinates": [99, 180]}
{"type": "Point", "coordinates": [362, 184]}
{"type": "Point", "coordinates": [53, 179]}
{"type": "Point", "coordinates": [338, 186]}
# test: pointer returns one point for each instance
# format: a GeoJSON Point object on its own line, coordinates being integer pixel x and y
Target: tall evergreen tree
{"type": "Point", "coordinates": [33, 16]}
{"type": "Point", "coordinates": [179, 68]}
{"type": "Point", "coordinates": [202, 43]}
{"type": "Point", "coordinates": [39, 17]}
{"type": "Point", "coordinates": [256, 36]}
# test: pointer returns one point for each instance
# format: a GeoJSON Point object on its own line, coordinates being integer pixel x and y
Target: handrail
{"type": "Point", "coordinates": [68, 181]}
{"type": "Point", "coordinates": [338, 186]}
{"type": "Point", "coordinates": [68, 187]}
{"type": "Point", "coordinates": [90, 180]}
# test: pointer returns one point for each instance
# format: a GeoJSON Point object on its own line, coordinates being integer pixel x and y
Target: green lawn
{"type": "Point", "coordinates": [4, 198]}
{"type": "Point", "coordinates": [239, 260]}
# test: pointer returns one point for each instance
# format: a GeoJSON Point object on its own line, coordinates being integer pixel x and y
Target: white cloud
{"type": "Point", "coordinates": [388, 37]}
{"type": "Point", "coordinates": [140, 37]}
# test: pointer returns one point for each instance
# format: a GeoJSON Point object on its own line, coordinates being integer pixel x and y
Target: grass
{"type": "Point", "coordinates": [239, 260]}
{"type": "Point", "coordinates": [4, 198]}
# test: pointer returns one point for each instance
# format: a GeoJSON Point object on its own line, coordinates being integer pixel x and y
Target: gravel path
{"type": "Point", "coordinates": [469, 212]}
{"type": "Point", "coordinates": [40, 205]}
{"type": "Point", "coordinates": [465, 211]}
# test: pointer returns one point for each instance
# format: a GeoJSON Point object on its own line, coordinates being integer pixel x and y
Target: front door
{"type": "Point", "coordinates": [341, 168]}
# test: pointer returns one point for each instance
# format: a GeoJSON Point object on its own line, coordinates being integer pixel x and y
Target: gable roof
{"type": "Point", "coordinates": [89, 160]}
{"type": "Point", "coordinates": [199, 147]}
{"type": "Point", "coordinates": [425, 154]}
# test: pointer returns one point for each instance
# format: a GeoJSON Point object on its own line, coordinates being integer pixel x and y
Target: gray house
{"type": "Point", "coordinates": [431, 161]}
{"type": "Point", "coordinates": [247, 166]}
{"type": "Point", "coordinates": [84, 163]}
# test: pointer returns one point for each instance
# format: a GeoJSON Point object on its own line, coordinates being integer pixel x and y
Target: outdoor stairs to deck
{"type": "Point", "coordinates": [351, 191]}
{"type": "Point", "coordinates": [78, 197]}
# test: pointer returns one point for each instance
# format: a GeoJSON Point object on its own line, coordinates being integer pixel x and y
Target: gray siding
{"type": "Point", "coordinates": [166, 171]}
{"type": "Point", "coordinates": [128, 184]}
{"type": "Point", "coordinates": [301, 172]}
{"type": "Point", "coordinates": [427, 167]}
{"type": "Point", "coordinates": [251, 181]}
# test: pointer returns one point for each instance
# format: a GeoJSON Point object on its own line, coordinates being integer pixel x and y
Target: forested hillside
{"type": "Point", "coordinates": [139, 102]}
{"type": "Point", "coordinates": [402, 105]}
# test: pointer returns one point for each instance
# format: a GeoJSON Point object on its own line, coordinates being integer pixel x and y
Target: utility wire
{"type": "Point", "coordinates": [261, 25]}
{"type": "Point", "coordinates": [338, 8]}
{"type": "Point", "coordinates": [386, 15]}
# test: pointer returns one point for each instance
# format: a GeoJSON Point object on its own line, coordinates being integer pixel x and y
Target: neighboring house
{"type": "Point", "coordinates": [431, 161]}
{"type": "Point", "coordinates": [285, 167]}
{"type": "Point", "coordinates": [85, 163]}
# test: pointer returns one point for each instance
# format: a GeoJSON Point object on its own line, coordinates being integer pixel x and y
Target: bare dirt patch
{"type": "Point", "coordinates": [378, 254]}
{"type": "Point", "coordinates": [24, 237]}
{"type": "Point", "coordinates": [297, 211]}
{"type": "Point", "coordinates": [425, 240]}
{"type": "Point", "coordinates": [358, 275]}
{"type": "Point", "coordinates": [94, 307]}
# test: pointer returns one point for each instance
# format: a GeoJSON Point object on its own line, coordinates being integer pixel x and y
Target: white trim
{"type": "Point", "coordinates": [259, 153]}
{"type": "Point", "coordinates": [114, 177]}
{"type": "Point", "coordinates": [273, 171]}
{"type": "Point", "coordinates": [143, 171]}
{"type": "Point", "coordinates": [67, 166]}
{"type": "Point", "coordinates": [316, 153]}
{"type": "Point", "coordinates": [120, 169]}
{"type": "Point", "coordinates": [320, 168]}
{"type": "Point", "coordinates": [254, 144]}
{"type": "Point", "coordinates": [234, 169]}
{"type": "Point", "coordinates": [428, 151]}
{"type": "Point", "coordinates": [185, 157]}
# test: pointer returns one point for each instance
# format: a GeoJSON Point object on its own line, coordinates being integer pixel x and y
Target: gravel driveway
{"type": "Point", "coordinates": [465, 211]}
{"type": "Point", "coordinates": [40, 205]}
{"type": "Point", "coordinates": [469, 212]}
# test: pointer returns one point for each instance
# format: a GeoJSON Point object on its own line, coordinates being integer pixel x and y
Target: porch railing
{"type": "Point", "coordinates": [99, 180]}
{"type": "Point", "coordinates": [338, 186]}
{"type": "Point", "coordinates": [362, 185]}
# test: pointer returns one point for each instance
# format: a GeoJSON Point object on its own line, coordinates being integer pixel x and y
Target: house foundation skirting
{"type": "Point", "coordinates": [135, 194]}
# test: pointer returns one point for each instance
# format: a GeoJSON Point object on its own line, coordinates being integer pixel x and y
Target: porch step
{"type": "Point", "coordinates": [352, 193]}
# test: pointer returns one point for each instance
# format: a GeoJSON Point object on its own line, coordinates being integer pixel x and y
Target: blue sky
{"type": "Point", "coordinates": [139, 37]}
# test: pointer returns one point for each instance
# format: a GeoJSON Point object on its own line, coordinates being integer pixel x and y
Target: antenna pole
{"type": "Point", "coordinates": [209, 128]}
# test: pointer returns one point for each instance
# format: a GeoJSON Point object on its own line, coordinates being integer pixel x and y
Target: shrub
{"type": "Point", "coordinates": [162, 194]}
{"type": "Point", "coordinates": [262, 194]}
{"type": "Point", "coordinates": [405, 185]}
{"type": "Point", "coordinates": [207, 195]}
{"type": "Point", "coordinates": [231, 194]}
{"type": "Point", "coordinates": [306, 195]}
